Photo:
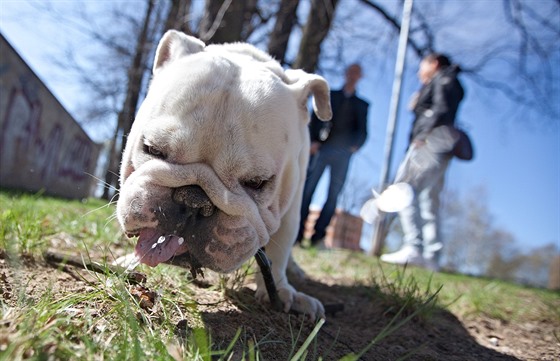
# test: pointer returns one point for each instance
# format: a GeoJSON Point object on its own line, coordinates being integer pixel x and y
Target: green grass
{"type": "Point", "coordinates": [463, 295]}
{"type": "Point", "coordinates": [103, 320]}
{"type": "Point", "coordinates": [28, 221]}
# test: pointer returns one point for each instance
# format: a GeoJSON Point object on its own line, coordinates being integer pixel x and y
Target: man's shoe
{"type": "Point", "coordinates": [406, 255]}
{"type": "Point", "coordinates": [319, 244]}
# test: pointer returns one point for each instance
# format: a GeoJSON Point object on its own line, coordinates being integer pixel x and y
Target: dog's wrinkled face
{"type": "Point", "coordinates": [213, 159]}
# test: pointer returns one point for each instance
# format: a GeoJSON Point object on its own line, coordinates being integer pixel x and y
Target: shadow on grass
{"type": "Point", "coordinates": [435, 335]}
{"type": "Point", "coordinates": [432, 335]}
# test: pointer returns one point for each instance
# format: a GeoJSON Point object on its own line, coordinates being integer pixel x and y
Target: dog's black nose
{"type": "Point", "coordinates": [194, 197]}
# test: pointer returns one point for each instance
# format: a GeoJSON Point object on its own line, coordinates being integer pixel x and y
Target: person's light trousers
{"type": "Point", "coordinates": [424, 169]}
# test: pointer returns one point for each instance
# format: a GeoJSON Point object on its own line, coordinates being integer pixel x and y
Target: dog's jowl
{"type": "Point", "coordinates": [215, 162]}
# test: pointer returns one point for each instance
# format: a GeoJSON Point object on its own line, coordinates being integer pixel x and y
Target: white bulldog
{"type": "Point", "coordinates": [215, 163]}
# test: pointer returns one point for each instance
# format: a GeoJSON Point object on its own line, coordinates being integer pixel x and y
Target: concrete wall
{"type": "Point", "coordinates": [41, 146]}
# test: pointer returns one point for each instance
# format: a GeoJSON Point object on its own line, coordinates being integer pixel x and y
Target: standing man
{"type": "Point", "coordinates": [332, 144]}
{"type": "Point", "coordinates": [427, 158]}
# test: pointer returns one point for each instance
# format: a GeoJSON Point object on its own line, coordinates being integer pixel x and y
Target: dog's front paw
{"type": "Point", "coordinates": [301, 303]}
{"type": "Point", "coordinates": [294, 301]}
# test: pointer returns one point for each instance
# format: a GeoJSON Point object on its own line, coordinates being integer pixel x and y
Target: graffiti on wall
{"type": "Point", "coordinates": [73, 167]}
{"type": "Point", "coordinates": [42, 146]}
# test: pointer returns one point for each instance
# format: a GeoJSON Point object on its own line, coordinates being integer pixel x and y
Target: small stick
{"type": "Point", "coordinates": [57, 258]}
{"type": "Point", "coordinates": [264, 265]}
{"type": "Point", "coordinates": [332, 308]}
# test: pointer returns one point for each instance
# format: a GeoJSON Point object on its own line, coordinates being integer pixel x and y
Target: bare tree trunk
{"type": "Point", "coordinates": [224, 21]}
{"type": "Point", "coordinates": [178, 16]}
{"type": "Point", "coordinates": [394, 22]}
{"type": "Point", "coordinates": [316, 29]}
{"type": "Point", "coordinates": [285, 21]}
{"type": "Point", "coordinates": [126, 115]}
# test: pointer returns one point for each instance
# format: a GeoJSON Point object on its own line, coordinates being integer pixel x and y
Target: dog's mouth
{"type": "Point", "coordinates": [191, 209]}
{"type": "Point", "coordinates": [154, 248]}
{"type": "Point", "coordinates": [189, 231]}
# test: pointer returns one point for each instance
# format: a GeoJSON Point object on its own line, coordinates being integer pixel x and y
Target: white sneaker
{"type": "Point", "coordinates": [406, 255]}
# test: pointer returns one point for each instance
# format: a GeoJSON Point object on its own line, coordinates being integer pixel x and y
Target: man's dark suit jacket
{"type": "Point", "coordinates": [348, 125]}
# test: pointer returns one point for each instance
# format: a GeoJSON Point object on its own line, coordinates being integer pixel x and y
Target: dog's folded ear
{"type": "Point", "coordinates": [305, 84]}
{"type": "Point", "coordinates": [174, 45]}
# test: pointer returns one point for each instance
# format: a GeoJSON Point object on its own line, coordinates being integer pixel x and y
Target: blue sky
{"type": "Point", "coordinates": [517, 153]}
{"type": "Point", "coordinates": [517, 164]}
{"type": "Point", "coordinates": [517, 157]}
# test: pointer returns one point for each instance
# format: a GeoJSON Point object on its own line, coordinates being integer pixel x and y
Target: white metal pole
{"type": "Point", "coordinates": [380, 232]}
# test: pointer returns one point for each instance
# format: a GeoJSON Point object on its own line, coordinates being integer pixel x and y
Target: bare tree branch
{"type": "Point", "coordinates": [316, 29]}
{"type": "Point", "coordinates": [178, 16]}
{"type": "Point", "coordinates": [394, 22]}
{"type": "Point", "coordinates": [214, 20]}
{"type": "Point", "coordinates": [130, 104]}
{"type": "Point", "coordinates": [285, 21]}
{"type": "Point", "coordinates": [532, 84]}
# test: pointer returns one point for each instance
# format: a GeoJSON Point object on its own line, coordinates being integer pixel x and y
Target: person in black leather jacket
{"type": "Point", "coordinates": [332, 145]}
{"type": "Point", "coordinates": [438, 100]}
{"type": "Point", "coordinates": [430, 150]}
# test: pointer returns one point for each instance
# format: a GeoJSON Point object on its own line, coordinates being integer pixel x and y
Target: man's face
{"type": "Point", "coordinates": [353, 74]}
{"type": "Point", "coordinates": [427, 70]}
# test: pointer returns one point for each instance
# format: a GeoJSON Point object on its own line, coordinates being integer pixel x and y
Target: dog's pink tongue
{"type": "Point", "coordinates": [154, 248]}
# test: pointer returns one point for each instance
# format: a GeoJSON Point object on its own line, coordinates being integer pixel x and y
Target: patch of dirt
{"type": "Point", "coordinates": [37, 277]}
{"type": "Point", "coordinates": [441, 336]}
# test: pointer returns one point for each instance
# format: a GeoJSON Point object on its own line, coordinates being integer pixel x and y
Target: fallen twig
{"type": "Point", "coordinates": [57, 258]}
{"type": "Point", "coordinates": [264, 265]}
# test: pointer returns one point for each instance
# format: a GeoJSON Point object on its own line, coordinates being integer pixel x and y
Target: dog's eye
{"type": "Point", "coordinates": [153, 151]}
{"type": "Point", "coordinates": [255, 183]}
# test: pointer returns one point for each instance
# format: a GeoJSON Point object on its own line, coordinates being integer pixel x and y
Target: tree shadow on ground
{"type": "Point", "coordinates": [436, 336]}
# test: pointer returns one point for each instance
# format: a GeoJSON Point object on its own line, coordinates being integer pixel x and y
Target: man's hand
{"type": "Point", "coordinates": [314, 147]}
{"type": "Point", "coordinates": [418, 143]}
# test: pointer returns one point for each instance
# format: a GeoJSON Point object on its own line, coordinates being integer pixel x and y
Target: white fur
{"type": "Point", "coordinates": [224, 114]}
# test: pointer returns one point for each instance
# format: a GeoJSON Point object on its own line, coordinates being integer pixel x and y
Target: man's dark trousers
{"type": "Point", "coordinates": [338, 159]}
